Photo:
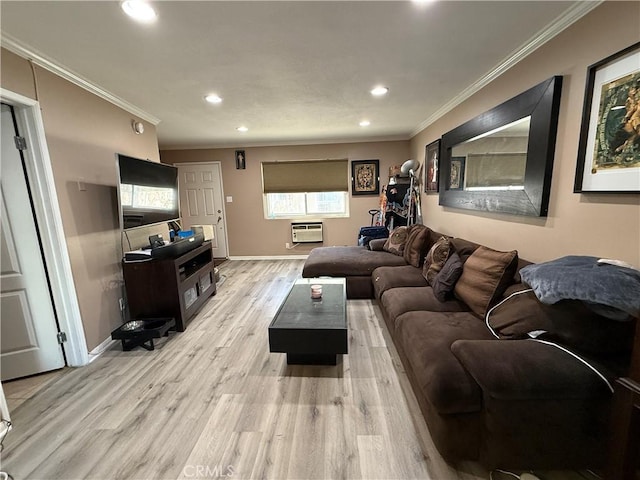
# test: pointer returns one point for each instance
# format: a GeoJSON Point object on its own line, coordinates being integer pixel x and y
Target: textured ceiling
{"type": "Point", "coordinates": [292, 72]}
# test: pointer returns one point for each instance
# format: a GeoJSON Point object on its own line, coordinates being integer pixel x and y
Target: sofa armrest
{"type": "Point", "coordinates": [377, 244]}
{"type": "Point", "coordinates": [529, 370]}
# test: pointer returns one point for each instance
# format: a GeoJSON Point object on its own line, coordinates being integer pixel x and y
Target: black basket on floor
{"type": "Point", "coordinates": [141, 332]}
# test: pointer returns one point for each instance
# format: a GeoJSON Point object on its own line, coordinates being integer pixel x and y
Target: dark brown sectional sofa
{"type": "Point", "coordinates": [487, 390]}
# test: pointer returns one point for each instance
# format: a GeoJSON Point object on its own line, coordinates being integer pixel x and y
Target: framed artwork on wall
{"type": "Point", "coordinates": [456, 180]}
{"type": "Point", "coordinates": [240, 160]}
{"type": "Point", "coordinates": [609, 147]}
{"type": "Point", "coordinates": [365, 177]}
{"type": "Point", "coordinates": [431, 159]}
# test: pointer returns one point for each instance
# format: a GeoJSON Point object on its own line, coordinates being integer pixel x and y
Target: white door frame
{"type": "Point", "coordinates": [224, 199]}
{"type": "Point", "coordinates": [49, 219]}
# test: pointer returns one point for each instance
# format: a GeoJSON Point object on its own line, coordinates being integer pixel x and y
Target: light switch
{"type": "Point", "coordinates": [229, 199]}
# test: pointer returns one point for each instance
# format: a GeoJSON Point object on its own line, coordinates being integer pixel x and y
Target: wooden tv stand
{"type": "Point", "coordinates": [170, 287]}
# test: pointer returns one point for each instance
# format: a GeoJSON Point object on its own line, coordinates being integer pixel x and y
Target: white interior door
{"type": "Point", "coordinates": [202, 201]}
{"type": "Point", "coordinates": [29, 342]}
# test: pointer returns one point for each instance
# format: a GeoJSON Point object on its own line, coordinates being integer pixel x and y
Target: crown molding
{"type": "Point", "coordinates": [277, 143]}
{"type": "Point", "coordinates": [25, 51]}
{"type": "Point", "coordinates": [570, 16]}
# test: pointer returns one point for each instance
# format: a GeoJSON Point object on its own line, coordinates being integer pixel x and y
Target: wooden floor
{"type": "Point", "coordinates": [212, 402]}
{"type": "Point", "coordinates": [19, 391]}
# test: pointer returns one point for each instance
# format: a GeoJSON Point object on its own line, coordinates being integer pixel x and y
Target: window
{"type": "Point", "coordinates": [306, 204]}
{"type": "Point", "coordinates": [312, 188]}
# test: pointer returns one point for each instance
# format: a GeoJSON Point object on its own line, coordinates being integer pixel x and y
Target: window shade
{"type": "Point", "coordinates": [307, 176]}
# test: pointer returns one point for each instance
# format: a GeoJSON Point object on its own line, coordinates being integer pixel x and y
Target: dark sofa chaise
{"type": "Point", "coordinates": [488, 391]}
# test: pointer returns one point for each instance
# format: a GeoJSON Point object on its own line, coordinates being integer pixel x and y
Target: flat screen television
{"type": "Point", "coordinates": [148, 192]}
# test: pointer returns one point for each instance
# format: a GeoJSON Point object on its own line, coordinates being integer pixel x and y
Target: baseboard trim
{"type": "Point", "coordinates": [268, 257]}
{"type": "Point", "coordinates": [100, 349]}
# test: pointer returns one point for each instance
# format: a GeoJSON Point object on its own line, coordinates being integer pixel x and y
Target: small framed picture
{"type": "Point", "coordinates": [365, 177]}
{"type": "Point", "coordinates": [456, 178]}
{"type": "Point", "coordinates": [431, 158]}
{"type": "Point", "coordinates": [241, 163]}
{"type": "Point", "coordinates": [609, 147]}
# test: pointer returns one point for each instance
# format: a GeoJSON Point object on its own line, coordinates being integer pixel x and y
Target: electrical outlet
{"type": "Point", "coordinates": [287, 245]}
{"type": "Point", "coordinates": [121, 302]}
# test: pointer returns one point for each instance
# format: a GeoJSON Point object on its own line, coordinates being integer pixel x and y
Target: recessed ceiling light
{"type": "Point", "coordinates": [139, 10]}
{"type": "Point", "coordinates": [365, 123]}
{"type": "Point", "coordinates": [379, 91]}
{"type": "Point", "coordinates": [242, 129]}
{"type": "Point", "coordinates": [213, 98]}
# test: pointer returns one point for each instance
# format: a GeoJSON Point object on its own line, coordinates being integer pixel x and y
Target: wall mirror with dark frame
{"type": "Point", "coordinates": [502, 160]}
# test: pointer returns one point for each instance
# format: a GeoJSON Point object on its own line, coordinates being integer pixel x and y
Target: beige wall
{"type": "Point", "coordinates": [588, 224]}
{"type": "Point", "coordinates": [248, 231]}
{"type": "Point", "coordinates": [83, 133]}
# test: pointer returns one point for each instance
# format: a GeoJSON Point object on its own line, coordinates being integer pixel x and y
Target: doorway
{"type": "Point", "coordinates": [202, 201]}
{"type": "Point", "coordinates": [40, 181]}
{"type": "Point", "coordinates": [29, 328]}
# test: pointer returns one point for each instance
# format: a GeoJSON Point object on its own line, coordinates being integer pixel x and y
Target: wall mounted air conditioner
{"type": "Point", "coordinates": [308, 232]}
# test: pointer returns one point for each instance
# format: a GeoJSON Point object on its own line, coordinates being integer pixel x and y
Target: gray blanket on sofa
{"type": "Point", "coordinates": [611, 290]}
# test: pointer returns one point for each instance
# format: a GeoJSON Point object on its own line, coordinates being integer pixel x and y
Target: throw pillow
{"type": "Point", "coordinates": [485, 276]}
{"type": "Point", "coordinates": [396, 242]}
{"type": "Point", "coordinates": [435, 259]}
{"type": "Point", "coordinates": [569, 322]}
{"type": "Point", "coordinates": [377, 244]}
{"type": "Point", "coordinates": [464, 247]}
{"type": "Point", "coordinates": [445, 281]}
{"type": "Point", "coordinates": [415, 247]}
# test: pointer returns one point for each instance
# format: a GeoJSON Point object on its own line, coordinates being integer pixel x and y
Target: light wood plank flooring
{"type": "Point", "coordinates": [18, 391]}
{"type": "Point", "coordinates": [212, 402]}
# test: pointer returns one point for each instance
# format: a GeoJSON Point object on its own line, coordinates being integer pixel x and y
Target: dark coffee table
{"type": "Point", "coordinates": [311, 331]}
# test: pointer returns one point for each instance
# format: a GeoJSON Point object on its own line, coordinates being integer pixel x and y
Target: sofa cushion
{"type": "Point", "coordinates": [445, 281]}
{"type": "Point", "coordinates": [377, 244]}
{"type": "Point", "coordinates": [464, 247]}
{"type": "Point", "coordinates": [435, 259]}
{"type": "Point", "coordinates": [485, 276]}
{"type": "Point", "coordinates": [396, 241]}
{"type": "Point", "coordinates": [426, 339]}
{"type": "Point", "coordinates": [568, 322]}
{"type": "Point", "coordinates": [385, 278]}
{"type": "Point", "coordinates": [346, 261]}
{"type": "Point", "coordinates": [397, 301]}
{"type": "Point", "coordinates": [521, 264]}
{"type": "Point", "coordinates": [525, 370]}
{"type": "Point", "coordinates": [415, 248]}
{"type": "Point", "coordinates": [432, 238]}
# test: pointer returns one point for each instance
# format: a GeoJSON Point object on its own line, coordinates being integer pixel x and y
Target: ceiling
{"type": "Point", "coordinates": [292, 72]}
